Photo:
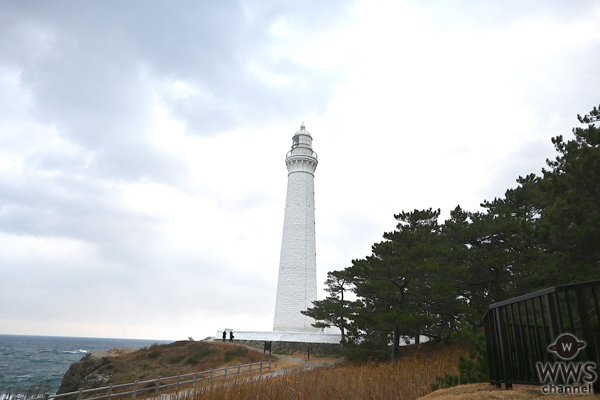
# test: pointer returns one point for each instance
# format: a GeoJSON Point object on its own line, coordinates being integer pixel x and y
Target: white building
{"type": "Point", "coordinates": [297, 283]}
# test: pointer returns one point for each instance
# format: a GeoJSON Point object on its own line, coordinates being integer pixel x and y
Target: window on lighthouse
{"type": "Point", "coordinates": [306, 141]}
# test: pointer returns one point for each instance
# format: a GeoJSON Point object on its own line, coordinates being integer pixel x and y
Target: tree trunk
{"type": "Point", "coordinates": [396, 346]}
{"type": "Point", "coordinates": [417, 338]}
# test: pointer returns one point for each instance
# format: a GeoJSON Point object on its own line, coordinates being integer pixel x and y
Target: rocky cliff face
{"type": "Point", "coordinates": [84, 373]}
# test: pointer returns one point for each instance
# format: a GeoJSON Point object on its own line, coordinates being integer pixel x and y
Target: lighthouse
{"type": "Point", "coordinates": [297, 281]}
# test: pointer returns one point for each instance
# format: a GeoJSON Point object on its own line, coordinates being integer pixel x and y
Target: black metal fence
{"type": "Point", "coordinates": [519, 331]}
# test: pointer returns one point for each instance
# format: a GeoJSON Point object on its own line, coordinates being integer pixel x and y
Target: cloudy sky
{"type": "Point", "coordinates": [142, 143]}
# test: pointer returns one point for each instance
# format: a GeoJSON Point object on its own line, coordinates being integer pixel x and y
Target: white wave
{"type": "Point", "coordinates": [75, 351]}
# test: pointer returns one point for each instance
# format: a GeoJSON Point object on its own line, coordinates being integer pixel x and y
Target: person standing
{"type": "Point", "coordinates": [231, 336]}
{"type": "Point", "coordinates": [224, 335]}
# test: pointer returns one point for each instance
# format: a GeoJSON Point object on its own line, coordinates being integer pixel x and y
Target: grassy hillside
{"type": "Point", "coordinates": [176, 358]}
{"type": "Point", "coordinates": [407, 379]}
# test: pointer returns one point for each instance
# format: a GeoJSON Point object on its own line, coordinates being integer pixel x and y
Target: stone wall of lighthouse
{"type": "Point", "coordinates": [297, 282]}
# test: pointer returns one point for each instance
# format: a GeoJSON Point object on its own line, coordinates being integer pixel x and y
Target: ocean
{"type": "Point", "coordinates": [30, 360]}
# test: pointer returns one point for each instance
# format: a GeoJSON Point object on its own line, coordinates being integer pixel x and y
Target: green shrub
{"type": "Point", "coordinates": [200, 353]}
{"type": "Point", "coordinates": [471, 369]}
{"type": "Point", "coordinates": [155, 354]}
{"type": "Point", "coordinates": [175, 360]}
{"type": "Point", "coordinates": [475, 368]}
{"type": "Point", "coordinates": [238, 352]}
{"type": "Point", "coordinates": [375, 348]}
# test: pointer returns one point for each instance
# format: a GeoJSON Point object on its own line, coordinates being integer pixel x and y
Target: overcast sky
{"type": "Point", "coordinates": [142, 143]}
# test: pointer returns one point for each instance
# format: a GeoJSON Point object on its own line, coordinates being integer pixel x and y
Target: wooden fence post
{"type": "Point", "coordinates": [195, 378]}
{"type": "Point", "coordinates": [109, 391]}
{"type": "Point", "coordinates": [157, 385]}
{"type": "Point", "coordinates": [211, 376]}
{"type": "Point", "coordinates": [269, 365]}
{"type": "Point", "coordinates": [225, 373]}
{"type": "Point", "coordinates": [250, 370]}
{"type": "Point", "coordinates": [135, 385]}
{"type": "Point", "coordinates": [80, 395]}
{"type": "Point", "coordinates": [177, 385]}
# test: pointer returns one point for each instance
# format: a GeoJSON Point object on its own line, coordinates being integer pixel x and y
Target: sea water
{"type": "Point", "coordinates": [30, 360]}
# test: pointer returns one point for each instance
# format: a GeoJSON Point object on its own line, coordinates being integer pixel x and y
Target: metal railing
{"type": "Point", "coordinates": [520, 331]}
{"type": "Point", "coordinates": [154, 386]}
{"type": "Point", "coordinates": [302, 151]}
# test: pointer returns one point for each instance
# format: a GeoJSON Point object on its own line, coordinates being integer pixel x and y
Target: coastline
{"type": "Point", "coordinates": [27, 360]}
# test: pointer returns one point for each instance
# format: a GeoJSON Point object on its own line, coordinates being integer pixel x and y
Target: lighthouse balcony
{"type": "Point", "coordinates": [301, 151]}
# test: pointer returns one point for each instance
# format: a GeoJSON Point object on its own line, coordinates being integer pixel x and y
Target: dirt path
{"type": "Point", "coordinates": [289, 362]}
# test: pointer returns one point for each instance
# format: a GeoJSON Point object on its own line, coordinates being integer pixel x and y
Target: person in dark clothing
{"type": "Point", "coordinates": [231, 336]}
{"type": "Point", "coordinates": [224, 336]}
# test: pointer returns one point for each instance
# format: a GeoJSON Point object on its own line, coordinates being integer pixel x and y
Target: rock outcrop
{"type": "Point", "coordinates": [125, 365]}
{"type": "Point", "coordinates": [83, 373]}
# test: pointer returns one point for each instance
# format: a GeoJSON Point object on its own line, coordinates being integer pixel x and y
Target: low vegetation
{"type": "Point", "coordinates": [182, 357]}
{"type": "Point", "coordinates": [407, 378]}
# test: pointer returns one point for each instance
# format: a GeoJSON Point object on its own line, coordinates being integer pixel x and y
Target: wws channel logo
{"type": "Point", "coordinates": [564, 377]}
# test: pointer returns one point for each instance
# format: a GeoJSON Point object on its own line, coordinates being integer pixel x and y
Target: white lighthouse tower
{"type": "Point", "coordinates": [297, 283]}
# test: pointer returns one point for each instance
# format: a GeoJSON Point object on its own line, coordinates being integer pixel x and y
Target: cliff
{"type": "Point", "coordinates": [84, 373]}
{"type": "Point", "coordinates": [125, 365]}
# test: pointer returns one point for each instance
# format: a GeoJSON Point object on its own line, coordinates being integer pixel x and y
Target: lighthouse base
{"type": "Point", "coordinates": [290, 342]}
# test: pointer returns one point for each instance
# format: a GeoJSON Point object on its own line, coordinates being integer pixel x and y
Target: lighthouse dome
{"type": "Point", "coordinates": [302, 138]}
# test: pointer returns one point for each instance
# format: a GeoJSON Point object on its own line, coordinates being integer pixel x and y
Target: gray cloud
{"type": "Point", "coordinates": [85, 74]}
{"type": "Point", "coordinates": [85, 65]}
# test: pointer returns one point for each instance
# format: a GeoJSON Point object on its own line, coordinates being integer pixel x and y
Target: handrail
{"type": "Point", "coordinates": [520, 332]}
{"type": "Point", "coordinates": [239, 369]}
{"type": "Point", "coordinates": [313, 154]}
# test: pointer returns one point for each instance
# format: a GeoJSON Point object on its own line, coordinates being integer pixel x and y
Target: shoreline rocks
{"type": "Point", "coordinates": [82, 373]}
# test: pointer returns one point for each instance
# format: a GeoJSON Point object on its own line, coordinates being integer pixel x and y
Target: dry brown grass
{"type": "Point", "coordinates": [177, 358]}
{"type": "Point", "coordinates": [485, 391]}
{"type": "Point", "coordinates": [408, 378]}
{"type": "Point", "coordinates": [287, 365]}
